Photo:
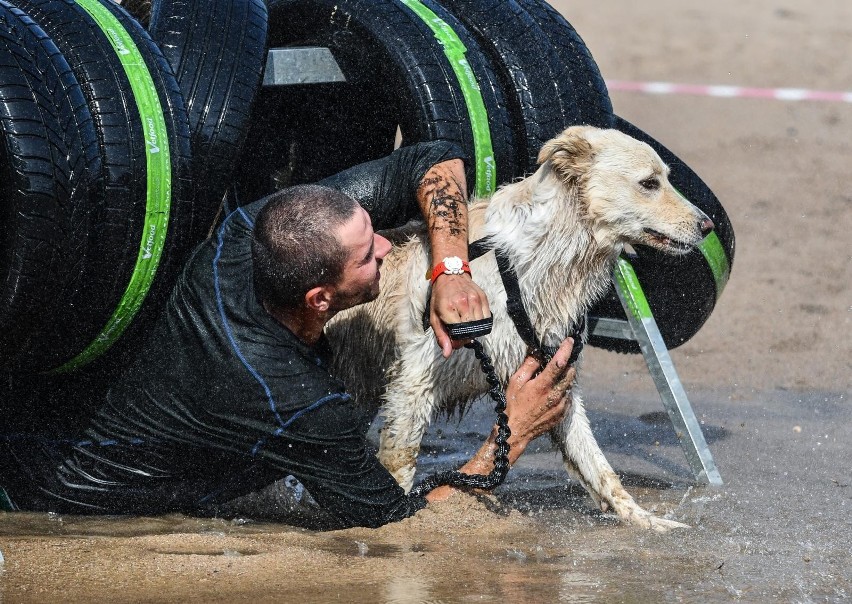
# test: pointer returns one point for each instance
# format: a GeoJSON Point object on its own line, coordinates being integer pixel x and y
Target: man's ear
{"type": "Point", "coordinates": [570, 153]}
{"type": "Point", "coordinates": [319, 298]}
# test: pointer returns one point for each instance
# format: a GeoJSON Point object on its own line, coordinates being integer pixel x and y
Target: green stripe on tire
{"type": "Point", "coordinates": [159, 184]}
{"type": "Point", "coordinates": [713, 252]}
{"type": "Point", "coordinates": [627, 281]}
{"type": "Point", "coordinates": [715, 256]}
{"type": "Point", "coordinates": [454, 50]}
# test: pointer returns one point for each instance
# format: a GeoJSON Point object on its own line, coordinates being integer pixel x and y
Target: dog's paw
{"type": "Point", "coordinates": [401, 462]}
{"type": "Point", "coordinates": [405, 477]}
{"type": "Point", "coordinates": [643, 519]}
{"type": "Point", "coordinates": [663, 525]}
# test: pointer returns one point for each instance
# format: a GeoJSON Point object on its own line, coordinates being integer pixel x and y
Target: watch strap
{"type": "Point", "coordinates": [442, 269]}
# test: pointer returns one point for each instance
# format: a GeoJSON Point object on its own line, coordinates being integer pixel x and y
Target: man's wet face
{"type": "Point", "coordinates": [359, 282]}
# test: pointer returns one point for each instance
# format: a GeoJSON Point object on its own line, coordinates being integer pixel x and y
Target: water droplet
{"type": "Point", "coordinates": [517, 555]}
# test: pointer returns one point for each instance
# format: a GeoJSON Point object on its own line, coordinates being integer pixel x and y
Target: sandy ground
{"type": "Point", "coordinates": [769, 376]}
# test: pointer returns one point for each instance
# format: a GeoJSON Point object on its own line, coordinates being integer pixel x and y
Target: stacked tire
{"type": "Point", "coordinates": [483, 73]}
{"type": "Point", "coordinates": [532, 77]}
{"type": "Point", "coordinates": [121, 142]}
{"type": "Point", "coordinates": [106, 131]}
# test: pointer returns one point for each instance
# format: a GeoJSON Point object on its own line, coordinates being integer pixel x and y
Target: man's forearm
{"type": "Point", "coordinates": [442, 197]}
{"type": "Point", "coordinates": [482, 462]}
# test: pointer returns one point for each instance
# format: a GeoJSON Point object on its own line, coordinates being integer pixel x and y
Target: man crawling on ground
{"type": "Point", "coordinates": [232, 391]}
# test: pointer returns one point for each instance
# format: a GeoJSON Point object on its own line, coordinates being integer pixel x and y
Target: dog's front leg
{"type": "Point", "coordinates": [583, 458]}
{"type": "Point", "coordinates": [585, 462]}
{"type": "Point", "coordinates": [408, 409]}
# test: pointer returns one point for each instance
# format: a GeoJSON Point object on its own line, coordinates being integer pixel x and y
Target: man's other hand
{"type": "Point", "coordinates": [534, 404]}
{"type": "Point", "coordinates": [537, 404]}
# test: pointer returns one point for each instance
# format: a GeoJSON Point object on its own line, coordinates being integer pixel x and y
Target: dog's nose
{"type": "Point", "coordinates": [706, 225]}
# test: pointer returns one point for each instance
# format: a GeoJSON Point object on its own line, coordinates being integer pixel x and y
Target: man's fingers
{"type": "Point", "coordinates": [566, 380]}
{"type": "Point", "coordinates": [526, 370]}
{"type": "Point", "coordinates": [556, 375]}
{"type": "Point", "coordinates": [460, 299]}
{"type": "Point", "coordinates": [442, 336]}
{"type": "Point", "coordinates": [562, 407]}
{"type": "Point", "coordinates": [477, 305]}
{"type": "Point", "coordinates": [466, 306]}
{"type": "Point", "coordinates": [558, 365]}
{"type": "Point", "coordinates": [564, 353]}
{"type": "Point", "coordinates": [558, 405]}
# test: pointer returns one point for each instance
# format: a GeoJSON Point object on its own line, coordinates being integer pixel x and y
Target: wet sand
{"type": "Point", "coordinates": [777, 531]}
{"type": "Point", "coordinates": [768, 375]}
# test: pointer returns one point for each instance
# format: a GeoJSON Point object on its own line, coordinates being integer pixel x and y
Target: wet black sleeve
{"type": "Point", "coordinates": [326, 449]}
{"type": "Point", "coordinates": [387, 187]}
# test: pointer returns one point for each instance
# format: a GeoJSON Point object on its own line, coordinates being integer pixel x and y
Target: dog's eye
{"type": "Point", "coordinates": [652, 184]}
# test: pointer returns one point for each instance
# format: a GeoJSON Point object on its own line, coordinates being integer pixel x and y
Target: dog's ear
{"type": "Point", "coordinates": [570, 153]}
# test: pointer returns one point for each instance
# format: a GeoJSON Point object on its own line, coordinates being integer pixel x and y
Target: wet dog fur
{"type": "Point", "coordinates": [563, 228]}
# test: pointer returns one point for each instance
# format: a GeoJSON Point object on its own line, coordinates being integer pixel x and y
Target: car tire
{"type": "Point", "coordinates": [142, 224]}
{"type": "Point", "coordinates": [681, 290]}
{"type": "Point", "coordinates": [48, 156]}
{"type": "Point", "coordinates": [217, 49]}
{"type": "Point", "coordinates": [590, 90]}
{"type": "Point", "coordinates": [399, 72]}
{"type": "Point", "coordinates": [537, 83]}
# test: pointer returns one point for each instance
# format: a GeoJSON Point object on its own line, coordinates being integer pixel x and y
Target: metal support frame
{"type": "Point", "coordinates": [315, 65]}
{"type": "Point", "coordinates": [305, 65]}
{"type": "Point", "coordinates": [642, 328]}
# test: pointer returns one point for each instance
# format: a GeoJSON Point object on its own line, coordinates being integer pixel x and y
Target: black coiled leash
{"type": "Point", "coordinates": [501, 455]}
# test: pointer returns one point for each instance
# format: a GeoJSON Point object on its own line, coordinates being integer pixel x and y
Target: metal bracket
{"type": "Point", "coordinates": [308, 65]}
{"type": "Point", "coordinates": [641, 327]}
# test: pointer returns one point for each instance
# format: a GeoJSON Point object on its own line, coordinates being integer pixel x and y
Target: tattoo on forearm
{"type": "Point", "coordinates": [447, 204]}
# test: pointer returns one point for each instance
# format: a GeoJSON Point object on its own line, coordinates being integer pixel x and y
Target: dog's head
{"type": "Point", "coordinates": [624, 190]}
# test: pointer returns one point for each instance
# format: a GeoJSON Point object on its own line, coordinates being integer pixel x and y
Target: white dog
{"type": "Point", "coordinates": [562, 229]}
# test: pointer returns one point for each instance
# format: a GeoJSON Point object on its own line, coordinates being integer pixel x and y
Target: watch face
{"type": "Point", "coordinates": [453, 263]}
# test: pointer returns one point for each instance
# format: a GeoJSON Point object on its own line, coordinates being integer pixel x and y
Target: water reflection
{"type": "Point", "coordinates": [408, 588]}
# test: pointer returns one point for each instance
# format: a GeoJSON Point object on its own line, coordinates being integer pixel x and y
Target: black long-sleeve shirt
{"type": "Point", "coordinates": [223, 400]}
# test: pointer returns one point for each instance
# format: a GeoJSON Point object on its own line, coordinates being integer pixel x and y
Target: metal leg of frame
{"type": "Point", "coordinates": [642, 327]}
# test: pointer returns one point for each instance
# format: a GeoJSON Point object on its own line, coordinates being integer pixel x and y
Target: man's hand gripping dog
{"type": "Point", "coordinates": [536, 402]}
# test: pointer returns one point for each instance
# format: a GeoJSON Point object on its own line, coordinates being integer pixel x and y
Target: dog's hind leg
{"type": "Point", "coordinates": [586, 463]}
{"type": "Point", "coordinates": [398, 453]}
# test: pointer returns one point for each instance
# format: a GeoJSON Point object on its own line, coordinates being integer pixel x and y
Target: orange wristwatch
{"type": "Point", "coordinates": [451, 265]}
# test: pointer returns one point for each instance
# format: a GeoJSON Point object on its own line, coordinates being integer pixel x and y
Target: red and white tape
{"type": "Point", "coordinates": [779, 94]}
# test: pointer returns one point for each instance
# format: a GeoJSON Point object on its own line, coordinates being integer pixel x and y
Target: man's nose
{"type": "Point", "coordinates": [382, 246]}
